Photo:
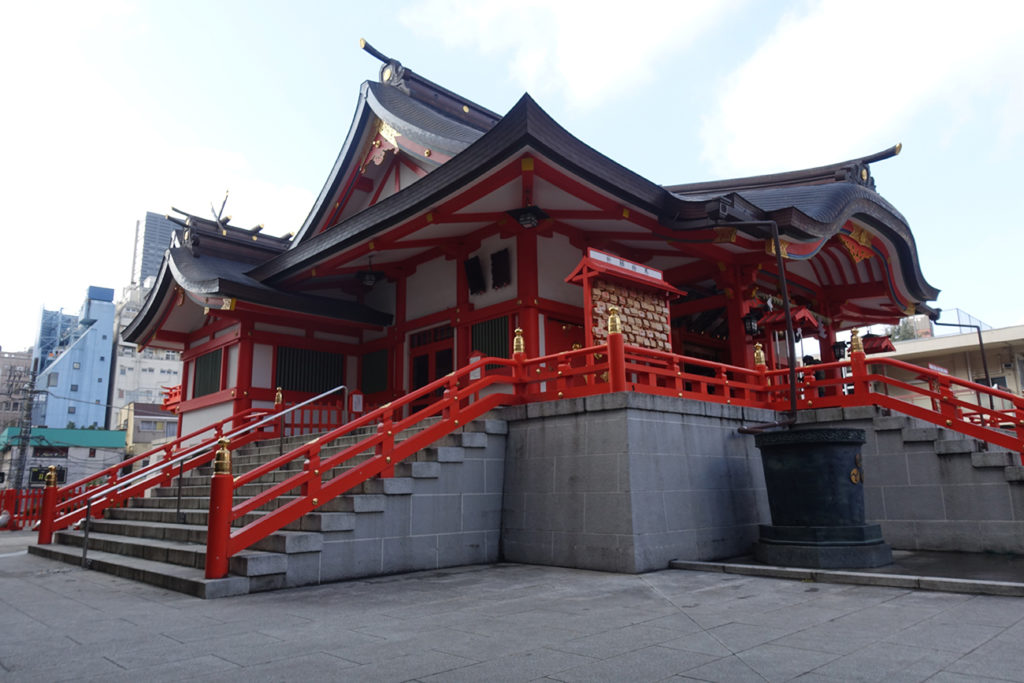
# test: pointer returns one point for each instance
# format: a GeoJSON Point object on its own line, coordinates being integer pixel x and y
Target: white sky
{"type": "Point", "coordinates": [115, 108]}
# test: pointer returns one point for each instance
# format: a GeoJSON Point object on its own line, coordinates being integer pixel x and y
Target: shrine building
{"type": "Point", "coordinates": [443, 226]}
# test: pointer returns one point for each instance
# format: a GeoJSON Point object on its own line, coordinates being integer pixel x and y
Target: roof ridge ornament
{"type": "Point", "coordinates": [392, 72]}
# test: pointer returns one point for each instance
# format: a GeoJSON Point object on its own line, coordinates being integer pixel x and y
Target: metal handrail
{"type": "Point", "coordinates": [180, 460]}
{"type": "Point", "coordinates": [191, 450]}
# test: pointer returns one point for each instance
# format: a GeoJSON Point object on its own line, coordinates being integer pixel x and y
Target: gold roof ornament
{"type": "Point", "coordinates": [614, 321]}
{"type": "Point", "coordinates": [855, 342]}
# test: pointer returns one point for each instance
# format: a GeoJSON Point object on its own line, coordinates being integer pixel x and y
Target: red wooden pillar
{"type": "Point", "coordinates": [527, 287]}
{"type": "Point", "coordinates": [397, 365]}
{"type": "Point", "coordinates": [243, 373]}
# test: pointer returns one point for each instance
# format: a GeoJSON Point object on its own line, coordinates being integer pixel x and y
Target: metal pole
{"type": "Point", "coordinates": [85, 536]}
{"type": "Point", "coordinates": [181, 475]}
{"type": "Point", "coordinates": [981, 347]}
{"type": "Point", "coordinates": [25, 430]}
{"type": "Point", "coordinates": [790, 336]}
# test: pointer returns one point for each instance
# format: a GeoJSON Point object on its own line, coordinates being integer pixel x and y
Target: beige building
{"type": "Point", "coordinates": [959, 355]}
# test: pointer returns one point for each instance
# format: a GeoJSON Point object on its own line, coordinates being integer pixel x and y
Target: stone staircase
{"type": "Point", "coordinates": [442, 508]}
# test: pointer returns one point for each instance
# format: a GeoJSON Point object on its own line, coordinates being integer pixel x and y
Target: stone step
{"type": "Point", "coordinates": [314, 521]}
{"type": "Point", "coordinates": [188, 580]}
{"type": "Point", "coordinates": [993, 459]}
{"type": "Point", "coordinates": [156, 550]}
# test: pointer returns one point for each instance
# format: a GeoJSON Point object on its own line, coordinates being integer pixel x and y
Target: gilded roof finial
{"type": "Point", "coordinates": [614, 321]}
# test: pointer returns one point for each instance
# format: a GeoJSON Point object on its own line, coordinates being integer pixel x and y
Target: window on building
{"type": "Point", "coordinates": [309, 371]}
{"type": "Point", "coordinates": [72, 410]}
{"type": "Point", "coordinates": [99, 379]}
{"type": "Point", "coordinates": [51, 379]}
{"type": "Point", "coordinates": [121, 371]}
{"type": "Point", "coordinates": [74, 387]}
{"type": "Point", "coordinates": [104, 336]}
{"type": "Point", "coordinates": [92, 451]}
{"type": "Point", "coordinates": [207, 374]}
{"type": "Point", "coordinates": [120, 393]}
{"type": "Point", "coordinates": [102, 358]}
{"type": "Point", "coordinates": [76, 365]}
{"type": "Point", "coordinates": [147, 425]}
{"type": "Point", "coordinates": [374, 372]}
{"type": "Point", "coordinates": [491, 337]}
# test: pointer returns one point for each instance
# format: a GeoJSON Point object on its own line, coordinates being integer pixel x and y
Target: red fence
{"type": "Point", "coordinates": [25, 506]}
{"type": "Point", "coordinates": [491, 382]}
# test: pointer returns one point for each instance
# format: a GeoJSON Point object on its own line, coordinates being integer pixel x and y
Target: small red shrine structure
{"type": "Point", "coordinates": [443, 226]}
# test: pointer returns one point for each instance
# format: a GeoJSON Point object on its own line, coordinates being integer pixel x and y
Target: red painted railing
{"type": "Point", "coordinates": [488, 383]}
{"type": "Point", "coordinates": [72, 500]}
{"type": "Point", "coordinates": [25, 506]}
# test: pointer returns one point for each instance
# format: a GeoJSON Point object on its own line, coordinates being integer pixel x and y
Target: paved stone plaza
{"type": "Point", "coordinates": [500, 623]}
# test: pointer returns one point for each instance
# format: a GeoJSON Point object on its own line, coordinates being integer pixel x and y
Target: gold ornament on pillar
{"type": "Point", "coordinates": [855, 343]}
{"type": "Point", "coordinates": [759, 354]}
{"type": "Point", "coordinates": [222, 464]}
{"type": "Point", "coordinates": [614, 321]}
{"type": "Point", "coordinates": [518, 344]}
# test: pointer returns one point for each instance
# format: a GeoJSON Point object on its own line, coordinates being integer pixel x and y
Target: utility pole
{"type": "Point", "coordinates": [25, 429]}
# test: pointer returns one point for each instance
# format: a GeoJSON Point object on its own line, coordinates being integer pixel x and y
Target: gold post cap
{"type": "Point", "coordinates": [614, 321]}
{"type": "Point", "coordinates": [519, 344]}
{"type": "Point", "coordinates": [50, 478]}
{"type": "Point", "coordinates": [222, 463]}
{"type": "Point", "coordinates": [855, 343]}
{"type": "Point", "coordinates": [759, 354]}
{"type": "Point", "coordinates": [278, 397]}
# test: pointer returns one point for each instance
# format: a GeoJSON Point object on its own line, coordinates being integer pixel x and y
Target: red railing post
{"type": "Point", "coordinates": [519, 372]}
{"type": "Point", "coordinates": [761, 366]}
{"type": "Point", "coordinates": [386, 445]}
{"type": "Point", "coordinates": [49, 508]}
{"type": "Point", "coordinates": [311, 489]}
{"type": "Point", "coordinates": [858, 366]}
{"type": "Point", "coordinates": [616, 352]}
{"type": "Point", "coordinates": [218, 525]}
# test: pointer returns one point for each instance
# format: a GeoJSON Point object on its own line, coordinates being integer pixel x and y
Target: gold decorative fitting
{"type": "Point", "coordinates": [769, 248]}
{"type": "Point", "coordinates": [51, 476]}
{"type": "Point", "coordinates": [316, 471]}
{"type": "Point", "coordinates": [614, 321]}
{"type": "Point", "coordinates": [228, 304]}
{"type": "Point", "coordinates": [949, 423]}
{"type": "Point", "coordinates": [680, 394]}
{"type": "Point", "coordinates": [625, 213]}
{"type": "Point", "coordinates": [759, 354]}
{"type": "Point", "coordinates": [278, 397]}
{"type": "Point", "coordinates": [427, 152]}
{"type": "Point", "coordinates": [456, 422]}
{"type": "Point", "coordinates": [560, 394]}
{"type": "Point", "coordinates": [222, 463]}
{"type": "Point", "coordinates": [855, 343]}
{"type": "Point", "coordinates": [526, 163]}
{"type": "Point", "coordinates": [465, 109]}
{"type": "Point", "coordinates": [388, 459]}
{"type": "Point", "coordinates": [855, 475]}
{"type": "Point", "coordinates": [864, 174]}
{"type": "Point", "coordinates": [254, 238]}
{"type": "Point", "coordinates": [316, 501]}
{"type": "Point", "coordinates": [725, 235]}
{"type": "Point", "coordinates": [388, 133]}
{"type": "Point", "coordinates": [519, 344]}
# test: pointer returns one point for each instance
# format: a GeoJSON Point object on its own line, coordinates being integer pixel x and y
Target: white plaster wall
{"type": "Point", "coordinates": [280, 329]}
{"type": "Point", "coordinates": [431, 288]}
{"type": "Point", "coordinates": [226, 330]}
{"type": "Point", "coordinates": [203, 417]}
{"type": "Point", "coordinates": [232, 377]}
{"type": "Point", "coordinates": [262, 366]}
{"type": "Point", "coordinates": [491, 296]}
{"type": "Point", "coordinates": [556, 258]}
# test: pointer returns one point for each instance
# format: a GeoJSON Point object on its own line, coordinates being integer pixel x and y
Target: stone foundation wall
{"type": "Point", "coordinates": [627, 482]}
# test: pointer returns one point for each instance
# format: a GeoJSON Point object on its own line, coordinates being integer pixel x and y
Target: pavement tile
{"type": "Point", "coordinates": [999, 658]}
{"type": "Point", "coordinates": [521, 666]}
{"type": "Point", "coordinates": [647, 664]}
{"type": "Point", "coordinates": [887, 661]}
{"type": "Point", "coordinates": [616, 641]}
{"type": "Point", "coordinates": [310, 668]}
{"type": "Point", "coordinates": [740, 637]}
{"type": "Point", "coordinates": [960, 638]}
{"type": "Point", "coordinates": [730, 669]}
{"type": "Point", "coordinates": [778, 663]}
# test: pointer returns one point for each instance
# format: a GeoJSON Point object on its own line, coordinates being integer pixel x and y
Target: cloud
{"type": "Point", "coordinates": [838, 79]}
{"type": "Point", "coordinates": [588, 52]}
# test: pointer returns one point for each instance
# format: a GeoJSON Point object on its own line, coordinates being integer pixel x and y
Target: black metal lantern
{"type": "Point", "coordinates": [750, 323]}
{"type": "Point", "coordinates": [839, 350]}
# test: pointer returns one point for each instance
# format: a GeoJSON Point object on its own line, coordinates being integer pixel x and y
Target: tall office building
{"type": "Point", "coordinates": [152, 237]}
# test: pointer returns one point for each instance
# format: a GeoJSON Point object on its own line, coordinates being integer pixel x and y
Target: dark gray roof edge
{"type": "Point", "coordinates": [525, 125]}
{"type": "Point", "coordinates": [805, 176]}
{"type": "Point", "coordinates": [150, 310]}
